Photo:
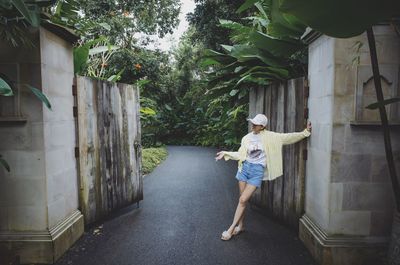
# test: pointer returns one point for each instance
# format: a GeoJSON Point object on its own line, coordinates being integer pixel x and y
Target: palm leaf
{"type": "Point", "coordinates": [40, 96]}
{"type": "Point", "coordinates": [354, 18]}
{"type": "Point", "coordinates": [5, 88]}
{"type": "Point", "coordinates": [277, 47]}
{"type": "Point", "coordinates": [81, 55]}
{"type": "Point", "coordinates": [31, 16]}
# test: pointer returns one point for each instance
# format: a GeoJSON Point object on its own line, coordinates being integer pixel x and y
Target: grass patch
{"type": "Point", "coordinates": [152, 157]}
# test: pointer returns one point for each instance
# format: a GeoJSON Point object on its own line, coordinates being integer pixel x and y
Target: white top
{"type": "Point", "coordinates": [255, 151]}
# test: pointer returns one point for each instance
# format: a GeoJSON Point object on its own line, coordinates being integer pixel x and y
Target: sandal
{"type": "Point", "coordinates": [226, 236]}
{"type": "Point", "coordinates": [237, 230]}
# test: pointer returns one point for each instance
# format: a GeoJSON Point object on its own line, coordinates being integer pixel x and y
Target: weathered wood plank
{"type": "Point", "coordinates": [290, 165]}
{"type": "Point", "coordinates": [300, 168]}
{"type": "Point", "coordinates": [260, 92]}
{"type": "Point", "coordinates": [283, 104]}
{"type": "Point", "coordinates": [109, 125]}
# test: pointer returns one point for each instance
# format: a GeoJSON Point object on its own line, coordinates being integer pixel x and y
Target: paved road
{"type": "Point", "coordinates": [188, 201]}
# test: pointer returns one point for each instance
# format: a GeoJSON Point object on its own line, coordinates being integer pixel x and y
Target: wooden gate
{"type": "Point", "coordinates": [109, 150]}
{"type": "Point", "coordinates": [284, 105]}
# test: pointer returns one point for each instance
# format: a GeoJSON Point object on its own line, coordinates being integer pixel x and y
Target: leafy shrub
{"type": "Point", "coordinates": [152, 157]}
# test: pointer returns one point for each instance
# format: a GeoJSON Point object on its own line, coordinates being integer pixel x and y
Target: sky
{"type": "Point", "coordinates": [167, 42]}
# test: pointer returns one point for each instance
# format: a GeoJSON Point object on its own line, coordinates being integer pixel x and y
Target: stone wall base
{"type": "Point", "coordinates": [341, 249]}
{"type": "Point", "coordinates": [41, 247]}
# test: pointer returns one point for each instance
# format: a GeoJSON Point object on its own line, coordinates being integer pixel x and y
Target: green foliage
{"type": "Point", "coordinates": [16, 16]}
{"type": "Point", "coordinates": [139, 63]}
{"type": "Point", "coordinates": [125, 18]}
{"type": "Point", "coordinates": [152, 157]}
{"type": "Point", "coordinates": [91, 58]}
{"type": "Point", "coordinates": [29, 11]}
{"type": "Point", "coordinates": [42, 97]}
{"type": "Point", "coordinates": [212, 86]}
{"type": "Point", "coordinates": [205, 20]}
{"type": "Point", "coordinates": [354, 19]}
{"type": "Point", "coordinates": [267, 48]}
{"type": "Point", "coordinates": [341, 19]}
{"type": "Point", "coordinates": [5, 88]}
{"type": "Point", "coordinates": [186, 111]}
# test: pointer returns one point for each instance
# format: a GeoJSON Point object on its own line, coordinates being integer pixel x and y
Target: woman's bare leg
{"type": "Point", "coordinates": [244, 198]}
{"type": "Point", "coordinates": [242, 186]}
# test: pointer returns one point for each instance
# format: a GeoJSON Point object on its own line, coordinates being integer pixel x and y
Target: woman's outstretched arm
{"type": "Point", "coordinates": [291, 138]}
{"type": "Point", "coordinates": [231, 155]}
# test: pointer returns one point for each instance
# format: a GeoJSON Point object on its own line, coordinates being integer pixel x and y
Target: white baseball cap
{"type": "Point", "coordinates": [259, 119]}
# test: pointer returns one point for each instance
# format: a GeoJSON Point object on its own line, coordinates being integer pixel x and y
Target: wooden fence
{"type": "Point", "coordinates": [284, 105]}
{"type": "Point", "coordinates": [108, 147]}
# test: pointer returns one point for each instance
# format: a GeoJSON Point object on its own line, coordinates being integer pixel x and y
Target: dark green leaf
{"type": "Point", "coordinates": [31, 16]}
{"type": "Point", "coordinates": [355, 16]}
{"type": "Point", "coordinates": [40, 96]}
{"type": "Point", "coordinates": [5, 88]}
{"type": "Point", "coordinates": [245, 53]}
{"type": "Point", "coordinates": [277, 47]}
{"type": "Point", "coordinates": [142, 83]}
{"type": "Point", "coordinates": [5, 164]}
{"type": "Point", "coordinates": [81, 55]}
{"type": "Point", "coordinates": [219, 57]}
{"type": "Point", "coordinates": [6, 4]}
{"type": "Point", "coordinates": [115, 78]}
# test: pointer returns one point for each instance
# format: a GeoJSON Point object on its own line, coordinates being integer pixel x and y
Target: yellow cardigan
{"type": "Point", "coordinates": [272, 143]}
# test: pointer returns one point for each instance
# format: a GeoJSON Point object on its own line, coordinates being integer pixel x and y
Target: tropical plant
{"type": "Point", "coordinates": [16, 15]}
{"type": "Point", "coordinates": [264, 47]}
{"type": "Point", "coordinates": [265, 50]}
{"type": "Point", "coordinates": [208, 117]}
{"type": "Point", "coordinates": [92, 58]}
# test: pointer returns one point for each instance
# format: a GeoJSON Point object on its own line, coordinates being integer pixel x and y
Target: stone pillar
{"type": "Point", "coordinates": [39, 216]}
{"type": "Point", "coordinates": [349, 200]}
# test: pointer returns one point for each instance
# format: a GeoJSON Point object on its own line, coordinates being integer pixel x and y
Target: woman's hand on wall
{"type": "Point", "coordinates": [309, 127]}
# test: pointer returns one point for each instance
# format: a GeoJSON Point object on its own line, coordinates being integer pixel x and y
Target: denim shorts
{"type": "Point", "coordinates": [251, 174]}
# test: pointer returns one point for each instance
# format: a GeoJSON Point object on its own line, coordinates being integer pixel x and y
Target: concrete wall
{"type": "Point", "coordinates": [349, 199]}
{"type": "Point", "coordinates": [39, 216]}
{"type": "Point", "coordinates": [362, 199]}
{"type": "Point", "coordinates": [23, 190]}
{"type": "Point", "coordinates": [321, 81]}
{"type": "Point", "coordinates": [59, 127]}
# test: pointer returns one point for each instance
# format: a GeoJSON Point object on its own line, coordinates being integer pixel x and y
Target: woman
{"type": "Point", "coordinates": [260, 158]}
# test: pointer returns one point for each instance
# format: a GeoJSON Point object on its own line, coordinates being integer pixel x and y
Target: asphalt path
{"type": "Point", "coordinates": [188, 201]}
